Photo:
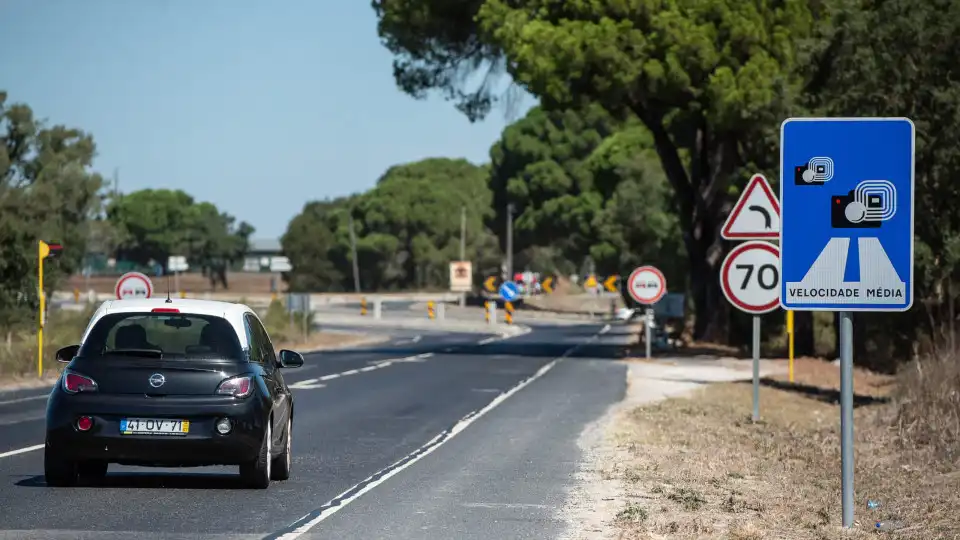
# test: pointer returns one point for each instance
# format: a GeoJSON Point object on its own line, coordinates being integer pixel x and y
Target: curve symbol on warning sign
{"type": "Point", "coordinates": [750, 277]}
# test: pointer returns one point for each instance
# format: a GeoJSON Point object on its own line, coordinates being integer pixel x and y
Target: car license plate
{"type": "Point", "coordinates": [154, 426]}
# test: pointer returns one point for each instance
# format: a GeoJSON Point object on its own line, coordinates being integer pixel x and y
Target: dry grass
{"type": "Point", "coordinates": [329, 340]}
{"type": "Point", "coordinates": [575, 303]}
{"type": "Point", "coordinates": [698, 467]}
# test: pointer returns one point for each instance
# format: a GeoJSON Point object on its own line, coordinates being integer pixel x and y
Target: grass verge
{"type": "Point", "coordinates": [698, 467]}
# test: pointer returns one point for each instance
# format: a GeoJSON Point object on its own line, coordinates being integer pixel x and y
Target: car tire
{"type": "Point", "coordinates": [256, 474]}
{"type": "Point", "coordinates": [280, 468]}
{"type": "Point", "coordinates": [92, 471]}
{"type": "Point", "coordinates": [58, 471]}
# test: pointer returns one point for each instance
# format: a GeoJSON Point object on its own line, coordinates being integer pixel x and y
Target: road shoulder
{"type": "Point", "coordinates": [596, 499]}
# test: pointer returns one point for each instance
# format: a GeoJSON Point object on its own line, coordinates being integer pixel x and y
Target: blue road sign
{"type": "Point", "coordinates": [509, 291]}
{"type": "Point", "coordinates": [846, 197]}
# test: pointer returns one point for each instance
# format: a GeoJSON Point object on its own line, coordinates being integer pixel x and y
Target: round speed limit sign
{"type": "Point", "coordinates": [750, 277]}
{"type": "Point", "coordinates": [647, 285]}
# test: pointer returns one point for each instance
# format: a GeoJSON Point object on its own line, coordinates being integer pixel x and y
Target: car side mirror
{"type": "Point", "coordinates": [67, 353]}
{"type": "Point", "coordinates": [290, 359]}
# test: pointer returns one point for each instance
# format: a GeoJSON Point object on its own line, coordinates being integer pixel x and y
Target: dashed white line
{"type": "Point", "coordinates": [370, 368]}
{"type": "Point", "coordinates": [487, 340]}
{"type": "Point", "coordinates": [350, 372]}
{"type": "Point", "coordinates": [330, 377]}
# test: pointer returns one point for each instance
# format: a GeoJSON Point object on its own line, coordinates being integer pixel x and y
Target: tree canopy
{"type": "Point", "coordinates": [153, 224]}
{"type": "Point", "coordinates": [47, 191]}
{"type": "Point", "coordinates": [710, 81]}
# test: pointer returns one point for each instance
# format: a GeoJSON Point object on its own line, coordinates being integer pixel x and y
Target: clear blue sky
{"type": "Point", "coordinates": [255, 106]}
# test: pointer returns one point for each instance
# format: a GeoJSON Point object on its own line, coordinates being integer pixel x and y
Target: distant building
{"type": "Point", "coordinates": [264, 255]}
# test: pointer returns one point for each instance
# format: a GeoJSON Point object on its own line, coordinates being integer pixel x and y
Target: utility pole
{"type": "Point", "coordinates": [353, 249]}
{"type": "Point", "coordinates": [463, 233]}
{"type": "Point", "coordinates": [509, 242]}
{"type": "Point", "coordinates": [463, 247]}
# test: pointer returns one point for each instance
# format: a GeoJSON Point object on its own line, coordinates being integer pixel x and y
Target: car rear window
{"type": "Point", "coordinates": [166, 335]}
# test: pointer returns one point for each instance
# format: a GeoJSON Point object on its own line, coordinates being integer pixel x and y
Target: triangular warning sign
{"type": "Point", "coordinates": [756, 215]}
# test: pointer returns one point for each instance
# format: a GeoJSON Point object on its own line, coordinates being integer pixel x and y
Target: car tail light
{"type": "Point", "coordinates": [74, 383]}
{"type": "Point", "coordinates": [238, 387]}
{"type": "Point", "coordinates": [84, 423]}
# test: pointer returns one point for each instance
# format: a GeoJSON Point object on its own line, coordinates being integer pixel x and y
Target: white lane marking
{"type": "Point", "coordinates": [311, 520]}
{"type": "Point", "coordinates": [487, 340]}
{"type": "Point", "coordinates": [415, 339]}
{"type": "Point", "coordinates": [350, 372]}
{"type": "Point", "coordinates": [307, 382]}
{"type": "Point", "coordinates": [307, 385]}
{"type": "Point", "coordinates": [425, 355]}
{"type": "Point", "coordinates": [329, 377]}
{"type": "Point", "coordinates": [21, 451]}
{"type": "Point", "coordinates": [605, 329]}
{"type": "Point", "coordinates": [21, 400]}
{"type": "Point", "coordinates": [507, 505]}
{"type": "Point", "coordinates": [370, 368]}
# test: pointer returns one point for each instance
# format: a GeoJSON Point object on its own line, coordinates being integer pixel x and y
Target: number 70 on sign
{"type": "Point", "coordinates": [750, 277]}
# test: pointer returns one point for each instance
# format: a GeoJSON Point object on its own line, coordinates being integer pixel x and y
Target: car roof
{"type": "Point", "coordinates": [232, 312]}
{"type": "Point", "coordinates": [185, 305]}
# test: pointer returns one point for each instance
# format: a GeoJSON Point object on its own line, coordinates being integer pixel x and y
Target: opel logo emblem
{"type": "Point", "coordinates": [157, 380]}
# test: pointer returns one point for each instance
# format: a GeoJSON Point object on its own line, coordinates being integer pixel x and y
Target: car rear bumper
{"type": "Point", "coordinates": [202, 445]}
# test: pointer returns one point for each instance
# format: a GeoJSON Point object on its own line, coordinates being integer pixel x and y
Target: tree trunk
{"type": "Point", "coordinates": [701, 200]}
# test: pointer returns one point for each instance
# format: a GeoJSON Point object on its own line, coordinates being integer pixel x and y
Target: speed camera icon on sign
{"type": "Point", "coordinates": [815, 172]}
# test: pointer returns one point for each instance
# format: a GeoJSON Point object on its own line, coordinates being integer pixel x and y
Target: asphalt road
{"type": "Point", "coordinates": [430, 435]}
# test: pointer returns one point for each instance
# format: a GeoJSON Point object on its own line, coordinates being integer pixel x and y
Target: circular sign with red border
{"type": "Point", "coordinates": [750, 277]}
{"type": "Point", "coordinates": [133, 285]}
{"type": "Point", "coordinates": [647, 285]}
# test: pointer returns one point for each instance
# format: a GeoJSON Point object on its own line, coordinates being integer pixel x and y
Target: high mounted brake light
{"type": "Point", "coordinates": [165, 310]}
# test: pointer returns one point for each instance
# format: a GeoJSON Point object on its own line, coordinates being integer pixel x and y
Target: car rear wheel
{"type": "Point", "coordinates": [58, 471]}
{"type": "Point", "coordinates": [281, 463]}
{"type": "Point", "coordinates": [92, 471]}
{"type": "Point", "coordinates": [256, 473]}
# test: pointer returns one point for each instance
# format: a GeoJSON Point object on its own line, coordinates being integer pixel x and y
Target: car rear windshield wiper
{"type": "Point", "coordinates": [150, 353]}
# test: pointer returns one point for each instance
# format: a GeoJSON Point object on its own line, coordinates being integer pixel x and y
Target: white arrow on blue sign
{"type": "Point", "coordinates": [847, 213]}
{"type": "Point", "coordinates": [509, 291]}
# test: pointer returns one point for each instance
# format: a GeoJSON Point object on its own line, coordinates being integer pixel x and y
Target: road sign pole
{"type": "Point", "coordinates": [790, 342]}
{"type": "Point", "coordinates": [649, 330]}
{"type": "Point", "coordinates": [42, 307]}
{"type": "Point", "coordinates": [756, 368]}
{"type": "Point", "coordinates": [846, 415]}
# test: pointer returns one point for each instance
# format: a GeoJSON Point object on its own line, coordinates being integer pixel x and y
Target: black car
{"type": "Point", "coordinates": [164, 383]}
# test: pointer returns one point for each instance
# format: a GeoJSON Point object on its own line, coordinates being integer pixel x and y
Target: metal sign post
{"type": "Point", "coordinates": [750, 279]}
{"type": "Point", "coordinates": [847, 188]}
{"type": "Point", "coordinates": [649, 328]}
